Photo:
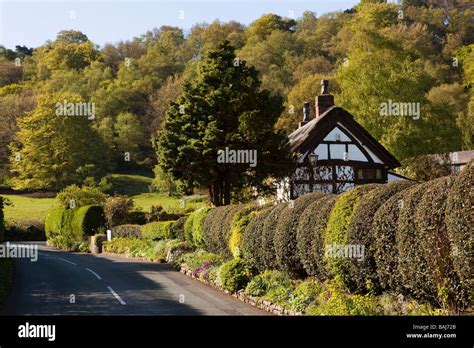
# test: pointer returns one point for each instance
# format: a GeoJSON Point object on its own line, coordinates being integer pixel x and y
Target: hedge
{"type": "Point", "coordinates": [226, 230]}
{"type": "Point", "coordinates": [459, 222]}
{"type": "Point", "coordinates": [415, 279]}
{"type": "Point", "coordinates": [429, 218]}
{"type": "Point", "coordinates": [198, 227]}
{"type": "Point", "coordinates": [268, 228]}
{"type": "Point", "coordinates": [239, 222]}
{"type": "Point", "coordinates": [252, 247]}
{"type": "Point", "coordinates": [235, 274]}
{"type": "Point", "coordinates": [127, 231]}
{"type": "Point", "coordinates": [285, 235]}
{"type": "Point", "coordinates": [213, 226]}
{"type": "Point", "coordinates": [358, 233]}
{"type": "Point", "coordinates": [309, 235]}
{"type": "Point", "coordinates": [68, 228]}
{"type": "Point", "coordinates": [188, 229]}
{"type": "Point", "coordinates": [158, 230]}
{"type": "Point", "coordinates": [384, 230]}
{"type": "Point", "coordinates": [178, 228]}
{"type": "Point", "coordinates": [337, 228]}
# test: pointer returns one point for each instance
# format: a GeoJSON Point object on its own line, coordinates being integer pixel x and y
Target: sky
{"type": "Point", "coordinates": [33, 22]}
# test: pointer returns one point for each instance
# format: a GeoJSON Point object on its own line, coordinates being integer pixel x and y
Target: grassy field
{"type": "Point", "coordinates": [25, 208]}
{"type": "Point", "coordinates": [135, 186]}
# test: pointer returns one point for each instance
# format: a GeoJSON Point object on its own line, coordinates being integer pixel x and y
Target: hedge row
{"type": "Point", "coordinates": [239, 222]}
{"type": "Point", "coordinates": [285, 235]}
{"type": "Point", "coordinates": [67, 227]}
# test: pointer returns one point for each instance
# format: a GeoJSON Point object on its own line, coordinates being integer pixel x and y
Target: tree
{"type": "Point", "coordinates": [129, 136]}
{"type": "Point", "coordinates": [52, 150]}
{"type": "Point", "coordinates": [224, 107]}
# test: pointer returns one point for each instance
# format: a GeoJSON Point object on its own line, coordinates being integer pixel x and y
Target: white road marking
{"type": "Point", "coordinates": [72, 263]}
{"type": "Point", "coordinates": [122, 302]}
{"type": "Point", "coordinates": [98, 276]}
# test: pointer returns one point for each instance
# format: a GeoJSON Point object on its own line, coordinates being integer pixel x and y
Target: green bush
{"type": "Point", "coordinates": [132, 247]}
{"type": "Point", "coordinates": [429, 218]}
{"type": "Point", "coordinates": [266, 228]}
{"type": "Point", "coordinates": [252, 238]}
{"type": "Point", "coordinates": [235, 274]}
{"type": "Point", "coordinates": [88, 220]}
{"type": "Point", "coordinates": [337, 228]}
{"type": "Point", "coordinates": [198, 226]}
{"type": "Point", "coordinates": [137, 218]}
{"type": "Point", "coordinates": [157, 213]}
{"type": "Point", "coordinates": [363, 272]}
{"type": "Point", "coordinates": [416, 281]}
{"type": "Point", "coordinates": [459, 222]}
{"type": "Point", "coordinates": [225, 232]}
{"type": "Point", "coordinates": [285, 235]}
{"type": "Point", "coordinates": [158, 230]}
{"type": "Point", "coordinates": [239, 222]}
{"type": "Point", "coordinates": [384, 230]}
{"type": "Point", "coordinates": [178, 228]}
{"type": "Point", "coordinates": [309, 235]}
{"type": "Point", "coordinates": [188, 229]}
{"type": "Point", "coordinates": [74, 196]}
{"type": "Point", "coordinates": [214, 230]}
{"type": "Point", "coordinates": [117, 210]}
{"type": "Point", "coordinates": [127, 231]}
{"type": "Point", "coordinates": [262, 283]}
{"type": "Point", "coordinates": [52, 223]}
{"type": "Point", "coordinates": [199, 257]}
{"type": "Point", "coordinates": [305, 294]}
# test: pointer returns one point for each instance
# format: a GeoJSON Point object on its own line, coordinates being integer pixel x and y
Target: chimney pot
{"type": "Point", "coordinates": [324, 101]}
{"type": "Point", "coordinates": [306, 116]}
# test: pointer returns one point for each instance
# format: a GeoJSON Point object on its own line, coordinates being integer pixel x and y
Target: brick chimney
{"type": "Point", "coordinates": [306, 117]}
{"type": "Point", "coordinates": [325, 100]}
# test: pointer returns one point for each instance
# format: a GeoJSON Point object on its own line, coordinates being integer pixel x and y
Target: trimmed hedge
{"type": "Point", "coordinates": [252, 247]}
{"type": "Point", "coordinates": [68, 227]}
{"type": "Point", "coordinates": [268, 228]}
{"type": "Point", "coordinates": [214, 230]}
{"type": "Point", "coordinates": [226, 230]}
{"type": "Point", "coordinates": [358, 233]}
{"type": "Point", "coordinates": [158, 230]}
{"type": "Point", "coordinates": [198, 226]}
{"type": "Point", "coordinates": [415, 279]}
{"type": "Point", "coordinates": [178, 228]}
{"type": "Point", "coordinates": [188, 229]}
{"type": "Point", "coordinates": [429, 218]}
{"type": "Point", "coordinates": [309, 235]}
{"type": "Point", "coordinates": [338, 226]}
{"type": "Point", "coordinates": [459, 222]}
{"type": "Point", "coordinates": [384, 230]}
{"type": "Point", "coordinates": [127, 231]}
{"type": "Point", "coordinates": [285, 235]}
{"type": "Point", "coordinates": [236, 274]}
{"type": "Point", "coordinates": [239, 222]}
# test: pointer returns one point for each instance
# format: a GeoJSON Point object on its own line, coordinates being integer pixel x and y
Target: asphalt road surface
{"type": "Point", "coordinates": [61, 283]}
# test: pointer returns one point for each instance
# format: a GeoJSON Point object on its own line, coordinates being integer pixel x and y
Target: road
{"type": "Point", "coordinates": [62, 283]}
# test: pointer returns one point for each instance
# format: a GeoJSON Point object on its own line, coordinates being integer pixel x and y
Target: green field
{"type": "Point", "coordinates": [25, 208]}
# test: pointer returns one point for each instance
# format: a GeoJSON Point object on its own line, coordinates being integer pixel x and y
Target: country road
{"type": "Point", "coordinates": [61, 283]}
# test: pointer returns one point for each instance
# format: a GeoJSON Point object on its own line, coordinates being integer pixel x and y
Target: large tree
{"type": "Point", "coordinates": [223, 107]}
{"type": "Point", "coordinates": [52, 150]}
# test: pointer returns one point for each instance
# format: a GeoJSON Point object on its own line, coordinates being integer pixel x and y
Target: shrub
{"type": "Point", "coordinates": [429, 218]}
{"type": "Point", "coordinates": [199, 257]}
{"type": "Point", "coordinates": [225, 230]}
{"type": "Point", "coordinates": [178, 228]}
{"type": "Point", "coordinates": [158, 230]}
{"type": "Point", "coordinates": [309, 235]}
{"type": "Point", "coordinates": [98, 239]}
{"type": "Point", "coordinates": [214, 230]}
{"type": "Point", "coordinates": [25, 230]}
{"type": "Point", "coordinates": [337, 228]}
{"type": "Point", "coordinates": [132, 247]}
{"type": "Point", "coordinates": [262, 283]}
{"type": "Point", "coordinates": [459, 222]}
{"type": "Point", "coordinates": [415, 280]}
{"type": "Point", "coordinates": [198, 226]}
{"type": "Point", "coordinates": [384, 230]}
{"type": "Point", "coordinates": [117, 210]}
{"type": "Point", "coordinates": [127, 231]}
{"type": "Point", "coordinates": [305, 293]}
{"type": "Point", "coordinates": [188, 229]}
{"type": "Point", "coordinates": [88, 220]}
{"type": "Point", "coordinates": [235, 274]}
{"type": "Point", "coordinates": [363, 272]}
{"type": "Point", "coordinates": [252, 248]}
{"type": "Point", "coordinates": [157, 213]}
{"type": "Point", "coordinates": [137, 218]}
{"type": "Point", "coordinates": [74, 196]}
{"type": "Point", "coordinates": [265, 229]}
{"type": "Point", "coordinates": [239, 222]}
{"type": "Point", "coordinates": [285, 235]}
{"type": "Point", "coordinates": [52, 223]}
